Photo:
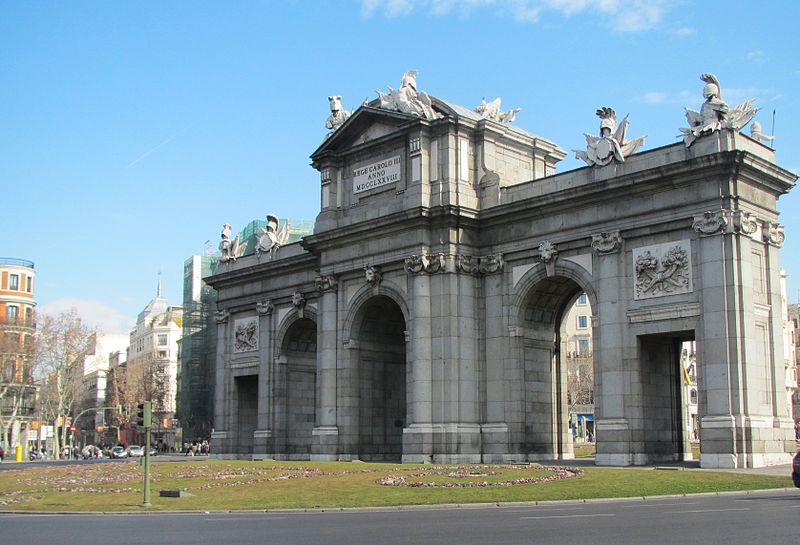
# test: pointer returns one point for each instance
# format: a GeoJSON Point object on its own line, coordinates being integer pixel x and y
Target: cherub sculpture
{"type": "Point", "coordinates": [407, 99]}
{"type": "Point", "coordinates": [714, 114]}
{"type": "Point", "coordinates": [611, 144]}
{"type": "Point", "coordinates": [491, 110]}
{"type": "Point", "coordinates": [338, 114]}
{"type": "Point", "coordinates": [271, 237]}
{"type": "Point", "coordinates": [230, 250]}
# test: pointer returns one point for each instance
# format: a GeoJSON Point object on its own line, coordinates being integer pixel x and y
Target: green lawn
{"type": "Point", "coordinates": [228, 485]}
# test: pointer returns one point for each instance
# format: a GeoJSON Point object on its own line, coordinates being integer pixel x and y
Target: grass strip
{"type": "Point", "coordinates": [243, 485]}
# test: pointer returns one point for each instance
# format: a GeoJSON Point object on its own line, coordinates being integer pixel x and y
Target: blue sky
{"type": "Point", "coordinates": [130, 132]}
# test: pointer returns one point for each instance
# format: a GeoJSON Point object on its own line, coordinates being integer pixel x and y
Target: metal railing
{"type": "Point", "coordinates": [18, 321]}
{"type": "Point", "coordinates": [16, 261]}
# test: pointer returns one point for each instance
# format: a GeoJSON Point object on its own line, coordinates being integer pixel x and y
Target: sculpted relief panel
{"type": "Point", "coordinates": [245, 335]}
{"type": "Point", "coordinates": [662, 269]}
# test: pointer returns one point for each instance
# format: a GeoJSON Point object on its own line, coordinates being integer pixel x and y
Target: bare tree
{"type": "Point", "coordinates": [61, 344]}
{"type": "Point", "coordinates": [580, 384]}
{"type": "Point", "coordinates": [144, 378]}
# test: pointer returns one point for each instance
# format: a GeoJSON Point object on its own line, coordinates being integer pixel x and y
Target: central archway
{"type": "Point", "coordinates": [380, 327]}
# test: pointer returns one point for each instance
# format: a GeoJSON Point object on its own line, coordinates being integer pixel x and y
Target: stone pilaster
{"type": "Point", "coordinates": [221, 438]}
{"type": "Point", "coordinates": [611, 421]}
{"type": "Point", "coordinates": [326, 432]}
{"type": "Point", "coordinates": [418, 435]}
{"type": "Point", "coordinates": [262, 437]}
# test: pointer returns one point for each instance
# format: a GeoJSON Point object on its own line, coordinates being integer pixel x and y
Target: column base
{"type": "Point", "coordinates": [325, 444]}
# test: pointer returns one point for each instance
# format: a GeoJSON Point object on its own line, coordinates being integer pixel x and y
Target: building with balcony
{"type": "Point", "coordinates": [17, 326]}
{"type": "Point", "coordinates": [152, 364]}
{"type": "Point", "coordinates": [94, 384]}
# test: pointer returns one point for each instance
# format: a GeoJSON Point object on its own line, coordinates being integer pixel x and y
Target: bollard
{"type": "Point", "coordinates": [19, 453]}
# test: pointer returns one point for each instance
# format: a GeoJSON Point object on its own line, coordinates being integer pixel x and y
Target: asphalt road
{"type": "Point", "coordinates": [729, 519]}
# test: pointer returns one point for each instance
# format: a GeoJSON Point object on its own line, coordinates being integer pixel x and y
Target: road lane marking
{"type": "Point", "coordinates": [569, 516]}
{"type": "Point", "coordinates": [237, 519]}
{"type": "Point", "coordinates": [546, 509]}
{"type": "Point", "coordinates": [709, 510]}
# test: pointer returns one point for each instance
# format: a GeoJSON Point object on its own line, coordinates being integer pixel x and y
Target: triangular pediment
{"type": "Point", "coordinates": [365, 125]}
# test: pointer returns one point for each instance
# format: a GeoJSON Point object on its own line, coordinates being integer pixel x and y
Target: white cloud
{"type": "Point", "coordinates": [734, 95]}
{"type": "Point", "coordinates": [655, 97]}
{"type": "Point", "coordinates": [93, 313]}
{"type": "Point", "coordinates": [684, 32]}
{"type": "Point", "coordinates": [637, 16]}
{"type": "Point", "coordinates": [662, 97]}
{"type": "Point", "coordinates": [628, 16]}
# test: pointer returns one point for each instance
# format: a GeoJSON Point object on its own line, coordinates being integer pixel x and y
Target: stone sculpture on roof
{"type": "Point", "coordinates": [611, 144]}
{"type": "Point", "coordinates": [231, 250]}
{"type": "Point", "coordinates": [757, 135]}
{"type": "Point", "coordinates": [272, 238]}
{"type": "Point", "coordinates": [338, 114]}
{"type": "Point", "coordinates": [715, 114]}
{"type": "Point", "coordinates": [407, 99]}
{"type": "Point", "coordinates": [491, 110]}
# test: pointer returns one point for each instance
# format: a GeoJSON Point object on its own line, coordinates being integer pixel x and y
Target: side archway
{"type": "Point", "coordinates": [295, 386]}
{"type": "Point", "coordinates": [543, 302]}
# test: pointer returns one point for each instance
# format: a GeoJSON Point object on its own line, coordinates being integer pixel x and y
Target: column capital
{"type": "Point", "coordinates": [325, 283]}
{"type": "Point", "coordinates": [712, 222]}
{"type": "Point", "coordinates": [607, 243]}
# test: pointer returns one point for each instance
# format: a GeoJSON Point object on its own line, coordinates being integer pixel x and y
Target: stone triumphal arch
{"type": "Point", "coordinates": [423, 318]}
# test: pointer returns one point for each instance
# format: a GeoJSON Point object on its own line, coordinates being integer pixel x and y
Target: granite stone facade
{"type": "Point", "coordinates": [421, 321]}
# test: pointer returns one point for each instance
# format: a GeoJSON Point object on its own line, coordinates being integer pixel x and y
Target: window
{"type": "Point", "coordinates": [583, 346]}
{"type": "Point", "coordinates": [12, 313]}
{"type": "Point", "coordinates": [162, 340]}
{"type": "Point", "coordinates": [13, 282]}
{"type": "Point", "coordinates": [582, 299]}
{"type": "Point", "coordinates": [29, 286]}
{"type": "Point", "coordinates": [693, 396]}
{"type": "Point", "coordinates": [583, 322]}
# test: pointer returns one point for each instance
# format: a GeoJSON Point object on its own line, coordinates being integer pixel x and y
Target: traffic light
{"type": "Point", "coordinates": [140, 415]}
{"type": "Point", "coordinates": [143, 414]}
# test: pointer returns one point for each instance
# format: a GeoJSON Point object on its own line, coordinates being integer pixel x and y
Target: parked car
{"type": "Point", "coordinates": [796, 469]}
{"type": "Point", "coordinates": [135, 450]}
{"type": "Point", "coordinates": [119, 452]}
